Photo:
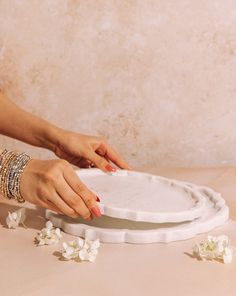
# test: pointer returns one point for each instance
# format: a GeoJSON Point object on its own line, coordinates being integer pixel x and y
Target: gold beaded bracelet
{"type": "Point", "coordinates": [12, 165]}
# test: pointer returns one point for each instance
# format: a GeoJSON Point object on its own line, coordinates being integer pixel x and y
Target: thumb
{"type": "Point", "coordinates": [101, 163]}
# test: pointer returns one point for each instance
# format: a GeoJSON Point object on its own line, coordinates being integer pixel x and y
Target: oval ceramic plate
{"type": "Point", "coordinates": [143, 197]}
{"type": "Point", "coordinates": [113, 230]}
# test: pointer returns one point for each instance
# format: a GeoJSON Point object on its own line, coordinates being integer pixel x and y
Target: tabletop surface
{"type": "Point", "coordinates": [120, 269]}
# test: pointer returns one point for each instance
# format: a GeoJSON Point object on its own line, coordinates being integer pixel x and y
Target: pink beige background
{"type": "Point", "coordinates": [157, 78]}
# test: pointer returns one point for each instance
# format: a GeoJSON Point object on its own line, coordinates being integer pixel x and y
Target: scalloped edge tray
{"type": "Point", "coordinates": [215, 215]}
{"type": "Point", "coordinates": [110, 210]}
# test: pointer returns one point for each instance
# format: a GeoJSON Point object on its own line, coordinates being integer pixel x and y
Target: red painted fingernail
{"type": "Point", "coordinates": [98, 199]}
{"type": "Point", "coordinates": [96, 211]}
{"type": "Point", "coordinates": [110, 168]}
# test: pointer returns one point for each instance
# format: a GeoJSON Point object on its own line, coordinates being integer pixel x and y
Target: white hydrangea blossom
{"type": "Point", "coordinates": [81, 249]}
{"type": "Point", "coordinates": [48, 235]}
{"type": "Point", "coordinates": [16, 218]}
{"type": "Point", "coordinates": [84, 250]}
{"type": "Point", "coordinates": [89, 250]}
{"type": "Point", "coordinates": [216, 247]}
{"type": "Point", "coordinates": [70, 250]}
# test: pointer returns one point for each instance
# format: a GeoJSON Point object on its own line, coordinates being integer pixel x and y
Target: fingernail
{"type": "Point", "coordinates": [98, 199]}
{"type": "Point", "coordinates": [96, 211]}
{"type": "Point", "coordinates": [110, 168]}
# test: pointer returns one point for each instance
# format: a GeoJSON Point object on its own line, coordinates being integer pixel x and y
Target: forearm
{"type": "Point", "coordinates": [21, 125]}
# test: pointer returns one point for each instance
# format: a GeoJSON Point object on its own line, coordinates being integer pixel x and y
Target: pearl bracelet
{"type": "Point", "coordinates": [12, 165]}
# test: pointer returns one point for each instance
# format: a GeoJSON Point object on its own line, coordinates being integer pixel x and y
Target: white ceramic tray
{"type": "Point", "coordinates": [113, 230]}
{"type": "Point", "coordinates": [143, 197]}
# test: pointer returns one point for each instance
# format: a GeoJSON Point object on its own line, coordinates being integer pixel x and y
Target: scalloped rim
{"type": "Point", "coordinates": [175, 233]}
{"type": "Point", "coordinates": [159, 217]}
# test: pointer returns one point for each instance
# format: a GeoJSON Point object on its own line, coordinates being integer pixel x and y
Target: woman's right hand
{"type": "Point", "coordinates": [53, 184]}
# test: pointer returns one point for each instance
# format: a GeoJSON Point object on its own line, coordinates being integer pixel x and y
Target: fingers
{"type": "Point", "coordinates": [103, 162]}
{"type": "Point", "coordinates": [84, 163]}
{"type": "Point", "coordinates": [116, 159]}
{"type": "Point", "coordinates": [54, 185]}
{"type": "Point", "coordinates": [49, 205]}
{"type": "Point", "coordinates": [77, 195]}
{"type": "Point", "coordinates": [73, 200]}
{"type": "Point", "coordinates": [63, 207]}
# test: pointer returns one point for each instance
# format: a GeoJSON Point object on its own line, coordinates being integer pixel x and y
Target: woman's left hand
{"type": "Point", "coordinates": [88, 151]}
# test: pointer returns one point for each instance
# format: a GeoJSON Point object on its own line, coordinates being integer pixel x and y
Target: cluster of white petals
{"type": "Point", "coordinates": [82, 249]}
{"type": "Point", "coordinates": [16, 218]}
{"type": "Point", "coordinates": [216, 247]}
{"type": "Point", "coordinates": [79, 249]}
{"type": "Point", "coordinates": [48, 235]}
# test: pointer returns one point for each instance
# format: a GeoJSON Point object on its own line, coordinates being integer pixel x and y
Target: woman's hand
{"type": "Point", "coordinates": [80, 150]}
{"type": "Point", "coordinates": [86, 151]}
{"type": "Point", "coordinates": [53, 184]}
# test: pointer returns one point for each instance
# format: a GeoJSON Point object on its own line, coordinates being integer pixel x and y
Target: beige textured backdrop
{"type": "Point", "coordinates": [157, 78]}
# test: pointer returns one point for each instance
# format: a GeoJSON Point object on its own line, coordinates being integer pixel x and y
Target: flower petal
{"type": "Point", "coordinates": [49, 224]}
{"type": "Point", "coordinates": [83, 254]}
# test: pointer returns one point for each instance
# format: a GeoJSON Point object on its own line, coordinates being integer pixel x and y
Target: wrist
{"type": "Point", "coordinates": [50, 137]}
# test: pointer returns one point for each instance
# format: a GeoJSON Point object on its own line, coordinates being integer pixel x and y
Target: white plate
{"type": "Point", "coordinates": [113, 230]}
{"type": "Point", "coordinates": [143, 197]}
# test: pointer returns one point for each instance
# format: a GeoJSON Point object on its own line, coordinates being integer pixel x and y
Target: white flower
{"type": "Point", "coordinates": [48, 235]}
{"type": "Point", "coordinates": [16, 218]}
{"type": "Point", "coordinates": [227, 255]}
{"type": "Point", "coordinates": [71, 250]}
{"type": "Point", "coordinates": [85, 250]}
{"type": "Point", "coordinates": [89, 250]}
{"type": "Point", "coordinates": [216, 247]}
{"type": "Point", "coordinates": [49, 225]}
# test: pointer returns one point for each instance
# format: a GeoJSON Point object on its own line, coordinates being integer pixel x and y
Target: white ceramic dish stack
{"type": "Point", "coordinates": [143, 208]}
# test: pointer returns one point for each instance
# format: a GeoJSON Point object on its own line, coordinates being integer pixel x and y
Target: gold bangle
{"type": "Point", "coordinates": [4, 164]}
{"type": "Point", "coordinates": [12, 165]}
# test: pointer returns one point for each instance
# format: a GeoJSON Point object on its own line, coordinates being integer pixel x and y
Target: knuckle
{"type": "Point", "coordinates": [49, 176]}
{"type": "Point", "coordinates": [81, 187]}
{"type": "Point", "coordinates": [89, 200]}
{"type": "Point", "coordinates": [42, 192]}
{"type": "Point", "coordinates": [74, 201]}
{"type": "Point", "coordinates": [52, 172]}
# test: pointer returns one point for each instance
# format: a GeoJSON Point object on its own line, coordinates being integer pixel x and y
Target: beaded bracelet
{"type": "Point", "coordinates": [12, 165]}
